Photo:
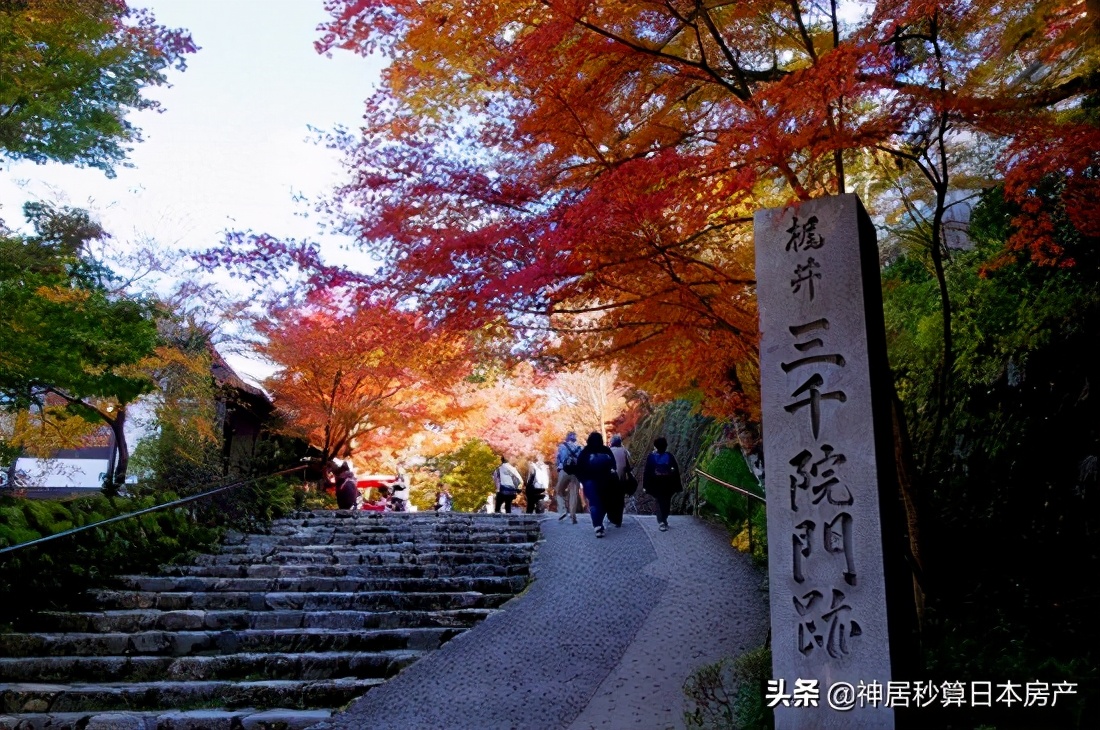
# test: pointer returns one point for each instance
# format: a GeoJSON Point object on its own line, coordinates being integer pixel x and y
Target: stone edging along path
{"type": "Point", "coordinates": [604, 637]}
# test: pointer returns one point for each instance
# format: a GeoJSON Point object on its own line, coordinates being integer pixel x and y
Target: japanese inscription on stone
{"type": "Point", "coordinates": [828, 604]}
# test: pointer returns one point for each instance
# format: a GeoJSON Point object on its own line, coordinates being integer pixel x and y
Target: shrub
{"type": "Point", "coordinates": [729, 694]}
{"type": "Point", "coordinates": [468, 472]}
{"type": "Point", "coordinates": [55, 574]}
{"type": "Point", "coordinates": [311, 498]}
{"type": "Point", "coordinates": [737, 511]}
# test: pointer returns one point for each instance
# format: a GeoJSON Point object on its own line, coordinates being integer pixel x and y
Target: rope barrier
{"type": "Point", "coordinates": [727, 485]}
{"type": "Point", "coordinates": [147, 510]}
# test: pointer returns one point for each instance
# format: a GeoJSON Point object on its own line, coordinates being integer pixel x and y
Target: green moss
{"type": "Point", "coordinates": [53, 574]}
{"type": "Point", "coordinates": [47, 517]}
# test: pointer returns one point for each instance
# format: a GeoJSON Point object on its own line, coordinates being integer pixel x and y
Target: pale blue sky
{"type": "Point", "coordinates": [230, 149]}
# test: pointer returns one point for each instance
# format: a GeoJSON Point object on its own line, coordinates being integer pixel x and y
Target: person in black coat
{"type": "Point", "coordinates": [662, 479]}
{"type": "Point", "coordinates": [596, 472]}
{"type": "Point", "coordinates": [342, 478]}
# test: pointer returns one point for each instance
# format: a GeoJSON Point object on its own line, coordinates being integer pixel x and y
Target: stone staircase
{"type": "Point", "coordinates": [275, 631]}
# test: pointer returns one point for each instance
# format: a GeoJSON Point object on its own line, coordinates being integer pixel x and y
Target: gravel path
{"type": "Point", "coordinates": [603, 638]}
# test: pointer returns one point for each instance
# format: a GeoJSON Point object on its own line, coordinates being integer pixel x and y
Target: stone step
{"type": "Point", "coordinates": [431, 541]}
{"type": "Point", "coordinates": [349, 543]}
{"type": "Point", "coordinates": [301, 601]}
{"type": "Point", "coordinates": [305, 618]}
{"type": "Point", "coordinates": [321, 584]}
{"type": "Point", "coordinates": [329, 555]}
{"type": "Point", "coordinates": [397, 570]}
{"type": "Point", "coordinates": [129, 621]}
{"type": "Point", "coordinates": [186, 643]}
{"type": "Point", "coordinates": [395, 522]}
{"type": "Point", "coordinates": [498, 521]}
{"type": "Point", "coordinates": [290, 694]}
{"type": "Point", "coordinates": [324, 535]}
{"type": "Point", "coordinates": [247, 719]}
{"type": "Point", "coordinates": [384, 528]}
{"type": "Point", "coordinates": [246, 665]}
{"type": "Point", "coordinates": [421, 531]}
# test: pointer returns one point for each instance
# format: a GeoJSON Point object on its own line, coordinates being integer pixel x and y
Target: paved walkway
{"type": "Point", "coordinates": [603, 638]}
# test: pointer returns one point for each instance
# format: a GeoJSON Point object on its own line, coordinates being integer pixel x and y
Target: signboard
{"type": "Point", "coordinates": [822, 364]}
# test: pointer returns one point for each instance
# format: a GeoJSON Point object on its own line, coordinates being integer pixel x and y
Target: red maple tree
{"type": "Point", "coordinates": [588, 170]}
{"type": "Point", "coordinates": [358, 380]}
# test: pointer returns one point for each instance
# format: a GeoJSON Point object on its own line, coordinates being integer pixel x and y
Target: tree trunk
{"type": "Point", "coordinates": [907, 487]}
{"type": "Point", "coordinates": [12, 470]}
{"type": "Point", "coordinates": [947, 365]}
{"type": "Point", "coordinates": [117, 479]}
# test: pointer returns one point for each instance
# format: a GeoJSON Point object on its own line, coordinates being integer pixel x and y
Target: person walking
{"type": "Point", "coordinates": [567, 485]}
{"type": "Point", "coordinates": [662, 479]}
{"type": "Point", "coordinates": [399, 497]}
{"type": "Point", "coordinates": [507, 480]}
{"type": "Point", "coordinates": [538, 481]}
{"type": "Point", "coordinates": [342, 480]}
{"type": "Point", "coordinates": [624, 467]}
{"type": "Point", "coordinates": [443, 500]}
{"type": "Point", "coordinates": [596, 472]}
{"type": "Point", "coordinates": [622, 456]}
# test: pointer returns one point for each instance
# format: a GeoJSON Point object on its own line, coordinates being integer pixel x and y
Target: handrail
{"type": "Point", "coordinates": [727, 485]}
{"type": "Point", "coordinates": [154, 508]}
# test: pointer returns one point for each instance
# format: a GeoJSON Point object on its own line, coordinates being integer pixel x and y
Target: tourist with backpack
{"type": "Point", "coordinates": [567, 485]}
{"type": "Point", "coordinates": [597, 475]}
{"type": "Point", "coordinates": [538, 481]}
{"type": "Point", "coordinates": [662, 479]}
{"type": "Point", "coordinates": [507, 481]}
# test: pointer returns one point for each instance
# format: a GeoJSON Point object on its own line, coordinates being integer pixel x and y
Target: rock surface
{"type": "Point", "coordinates": [604, 637]}
{"type": "Point", "coordinates": [272, 632]}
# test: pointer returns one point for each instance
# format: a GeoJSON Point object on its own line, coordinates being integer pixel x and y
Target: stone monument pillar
{"type": "Point", "coordinates": [827, 453]}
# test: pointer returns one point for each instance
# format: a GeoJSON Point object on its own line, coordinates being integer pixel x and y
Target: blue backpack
{"type": "Point", "coordinates": [662, 464]}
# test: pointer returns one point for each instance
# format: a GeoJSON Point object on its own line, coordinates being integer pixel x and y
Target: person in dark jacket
{"type": "Point", "coordinates": [662, 479]}
{"type": "Point", "coordinates": [596, 472]}
{"type": "Point", "coordinates": [342, 478]}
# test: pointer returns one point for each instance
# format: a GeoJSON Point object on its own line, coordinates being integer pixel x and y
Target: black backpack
{"type": "Point", "coordinates": [569, 466]}
{"type": "Point", "coordinates": [601, 463]}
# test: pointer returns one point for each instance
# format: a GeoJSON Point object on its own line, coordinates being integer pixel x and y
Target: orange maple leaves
{"type": "Point", "coordinates": [358, 377]}
{"type": "Point", "coordinates": [587, 170]}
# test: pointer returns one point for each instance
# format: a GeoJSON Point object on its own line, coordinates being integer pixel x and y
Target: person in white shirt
{"type": "Point", "coordinates": [538, 481]}
{"type": "Point", "coordinates": [507, 481]}
{"type": "Point", "coordinates": [443, 500]}
{"type": "Point", "coordinates": [399, 499]}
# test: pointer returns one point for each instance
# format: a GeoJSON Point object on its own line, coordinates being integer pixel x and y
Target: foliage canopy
{"type": "Point", "coordinates": [71, 72]}
{"type": "Point", "coordinates": [63, 333]}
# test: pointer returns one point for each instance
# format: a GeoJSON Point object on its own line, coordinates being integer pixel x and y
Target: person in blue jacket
{"type": "Point", "coordinates": [596, 472]}
{"type": "Point", "coordinates": [662, 479]}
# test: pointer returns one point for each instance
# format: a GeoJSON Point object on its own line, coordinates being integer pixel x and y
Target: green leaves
{"type": "Point", "coordinates": [63, 334]}
{"type": "Point", "coordinates": [71, 72]}
{"type": "Point", "coordinates": [55, 574]}
{"type": "Point", "coordinates": [1006, 487]}
{"type": "Point", "coordinates": [1003, 310]}
{"type": "Point", "coordinates": [60, 327]}
{"type": "Point", "coordinates": [468, 472]}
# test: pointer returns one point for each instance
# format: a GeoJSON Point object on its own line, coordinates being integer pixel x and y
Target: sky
{"type": "Point", "coordinates": [231, 149]}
